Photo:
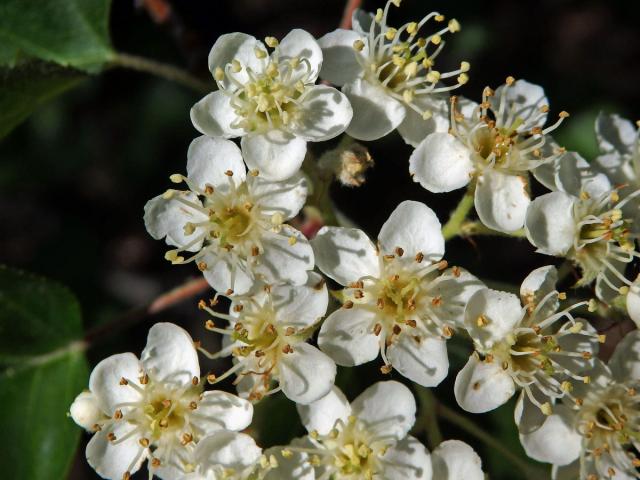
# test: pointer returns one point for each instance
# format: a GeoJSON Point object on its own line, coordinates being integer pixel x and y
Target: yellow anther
{"type": "Point", "coordinates": [412, 28]}
{"type": "Point", "coordinates": [510, 80]}
{"type": "Point", "coordinates": [465, 66]}
{"type": "Point", "coordinates": [168, 194]}
{"type": "Point", "coordinates": [546, 408]}
{"type": "Point", "coordinates": [292, 240]}
{"type": "Point", "coordinates": [271, 42]}
{"type": "Point", "coordinates": [433, 76]}
{"type": "Point", "coordinates": [436, 39]}
{"type": "Point", "coordinates": [463, 78]}
{"type": "Point", "coordinates": [411, 69]}
{"type": "Point", "coordinates": [358, 45]}
{"type": "Point", "coordinates": [396, 2]}
{"type": "Point", "coordinates": [260, 53]}
{"type": "Point", "coordinates": [379, 14]}
{"type": "Point", "coordinates": [236, 66]}
{"type": "Point", "coordinates": [218, 74]}
{"type": "Point", "coordinates": [427, 114]}
{"type": "Point", "coordinates": [407, 96]}
{"type": "Point", "coordinates": [176, 178]}
{"type": "Point", "coordinates": [454, 25]}
{"type": "Point", "coordinates": [439, 18]}
{"type": "Point", "coordinates": [563, 114]}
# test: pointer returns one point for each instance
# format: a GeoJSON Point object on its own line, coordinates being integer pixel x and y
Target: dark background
{"type": "Point", "coordinates": [75, 177]}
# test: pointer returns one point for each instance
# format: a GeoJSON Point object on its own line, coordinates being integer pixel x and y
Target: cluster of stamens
{"type": "Point", "coordinates": [403, 62]}
{"type": "Point", "coordinates": [499, 138]}
{"type": "Point", "coordinates": [160, 419]}
{"type": "Point", "coordinates": [270, 98]}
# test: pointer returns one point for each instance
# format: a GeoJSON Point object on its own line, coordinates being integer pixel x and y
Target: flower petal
{"type": "Point", "coordinates": [167, 218]}
{"type": "Point", "coordinates": [555, 441]}
{"type": "Point", "coordinates": [615, 134]}
{"type": "Point", "coordinates": [422, 360]}
{"type": "Point", "coordinates": [455, 460]}
{"type": "Point", "coordinates": [415, 228]}
{"type": "Point", "coordinates": [481, 387]}
{"type": "Point", "coordinates": [347, 336]}
{"type": "Point", "coordinates": [322, 415]}
{"type": "Point", "coordinates": [625, 361]}
{"type": "Point", "coordinates": [230, 450]}
{"type": "Point", "coordinates": [340, 64]}
{"type": "Point", "coordinates": [214, 115]}
{"type": "Point", "coordinates": [407, 460]}
{"type": "Point", "coordinates": [633, 303]}
{"type": "Point", "coordinates": [287, 256]}
{"type": "Point", "coordinates": [300, 44]}
{"type": "Point", "coordinates": [306, 374]}
{"type": "Point", "coordinates": [325, 113]}
{"type": "Point", "coordinates": [441, 163]}
{"type": "Point", "coordinates": [221, 276]}
{"type": "Point", "coordinates": [293, 465]}
{"type": "Point", "coordinates": [209, 161]}
{"type": "Point", "coordinates": [414, 128]}
{"type": "Point", "coordinates": [386, 408]}
{"type": "Point", "coordinates": [535, 287]}
{"type": "Point", "coordinates": [85, 411]}
{"type": "Point", "coordinates": [236, 46]}
{"type": "Point", "coordinates": [220, 410]}
{"type": "Point", "coordinates": [375, 113]}
{"type": "Point", "coordinates": [113, 459]}
{"type": "Point", "coordinates": [345, 254]}
{"type": "Point", "coordinates": [104, 381]}
{"type": "Point", "coordinates": [170, 355]}
{"type": "Point", "coordinates": [455, 287]}
{"type": "Point", "coordinates": [525, 99]}
{"type": "Point", "coordinates": [491, 315]}
{"type": "Point", "coordinates": [276, 155]}
{"type": "Point", "coordinates": [286, 197]}
{"type": "Point", "coordinates": [617, 168]}
{"type": "Point", "coordinates": [301, 306]}
{"type": "Point", "coordinates": [501, 200]}
{"type": "Point", "coordinates": [549, 223]}
{"type": "Point", "coordinates": [527, 415]}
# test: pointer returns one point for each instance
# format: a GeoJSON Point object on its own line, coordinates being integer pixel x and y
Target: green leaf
{"type": "Point", "coordinates": [43, 369]}
{"type": "Point", "coordinates": [71, 33]}
{"type": "Point", "coordinates": [26, 87]}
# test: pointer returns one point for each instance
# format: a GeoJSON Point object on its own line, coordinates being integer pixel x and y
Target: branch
{"type": "Point", "coordinates": [349, 8]}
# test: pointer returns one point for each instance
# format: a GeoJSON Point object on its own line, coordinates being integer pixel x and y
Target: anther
{"type": "Point", "coordinates": [348, 304]}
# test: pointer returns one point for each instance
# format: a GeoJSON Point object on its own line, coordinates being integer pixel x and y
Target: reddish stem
{"type": "Point", "coordinates": [348, 12]}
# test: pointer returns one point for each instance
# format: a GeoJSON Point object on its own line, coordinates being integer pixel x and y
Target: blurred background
{"type": "Point", "coordinates": [74, 178]}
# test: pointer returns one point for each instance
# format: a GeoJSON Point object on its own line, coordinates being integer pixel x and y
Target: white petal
{"type": "Point", "coordinates": [455, 288]}
{"type": "Point", "coordinates": [549, 223]}
{"type": "Point", "coordinates": [455, 460]}
{"type": "Point", "coordinates": [301, 44]}
{"type": "Point", "coordinates": [301, 306]}
{"type": "Point", "coordinates": [481, 387]}
{"type": "Point", "coordinates": [527, 415]}
{"type": "Point", "coordinates": [296, 465]}
{"type": "Point", "coordinates": [407, 460]}
{"type": "Point", "coordinates": [441, 163]}
{"type": "Point", "coordinates": [222, 411]}
{"type": "Point", "coordinates": [375, 113]}
{"type": "Point", "coordinates": [501, 200]}
{"type": "Point", "coordinates": [424, 362]}
{"type": "Point", "coordinates": [321, 415]}
{"type": "Point", "coordinates": [361, 21]}
{"type": "Point", "coordinates": [286, 197]}
{"type": "Point", "coordinates": [113, 459]}
{"type": "Point", "coordinates": [214, 115]}
{"type": "Point", "coordinates": [347, 336]}
{"type": "Point", "coordinates": [228, 449]}
{"type": "Point", "coordinates": [619, 169]}
{"type": "Point", "coordinates": [167, 218]}
{"type": "Point", "coordinates": [536, 286]}
{"type": "Point", "coordinates": [526, 99]}
{"type": "Point", "coordinates": [625, 361]}
{"type": "Point", "coordinates": [219, 274]}
{"type": "Point", "coordinates": [276, 155]}
{"type": "Point", "coordinates": [85, 411]}
{"type": "Point", "coordinates": [572, 174]}
{"type": "Point", "coordinates": [415, 128]}
{"type": "Point", "coordinates": [104, 381]}
{"type": "Point", "coordinates": [345, 254]}
{"type": "Point", "coordinates": [210, 159]}
{"type": "Point", "coordinates": [282, 261]}
{"type": "Point", "coordinates": [306, 374]}
{"type": "Point", "coordinates": [324, 113]}
{"type": "Point", "coordinates": [415, 228]}
{"type": "Point", "coordinates": [555, 441]}
{"type": "Point", "coordinates": [340, 64]}
{"type": "Point", "coordinates": [491, 315]}
{"type": "Point", "coordinates": [633, 303]}
{"type": "Point", "coordinates": [236, 46]}
{"type": "Point", "coordinates": [615, 133]}
{"type": "Point", "coordinates": [170, 355]}
{"type": "Point", "coordinates": [386, 408]}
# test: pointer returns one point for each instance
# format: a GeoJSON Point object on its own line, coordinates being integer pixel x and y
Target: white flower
{"type": "Point", "coordinates": [596, 429]}
{"type": "Point", "coordinates": [226, 455]}
{"type": "Point", "coordinates": [493, 145]}
{"type": "Point", "coordinates": [532, 346]}
{"type": "Point", "coordinates": [633, 302]}
{"type": "Point", "coordinates": [388, 75]}
{"type": "Point", "coordinates": [590, 230]}
{"type": "Point", "coordinates": [230, 222]}
{"type": "Point", "coordinates": [153, 408]}
{"type": "Point", "coordinates": [369, 439]}
{"type": "Point", "coordinates": [400, 299]}
{"type": "Point", "coordinates": [270, 100]}
{"type": "Point", "coordinates": [267, 337]}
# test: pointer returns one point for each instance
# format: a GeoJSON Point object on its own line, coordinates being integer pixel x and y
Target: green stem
{"type": "Point", "coordinates": [453, 227]}
{"type": "Point", "coordinates": [428, 419]}
{"type": "Point", "coordinates": [163, 70]}
{"type": "Point", "coordinates": [470, 427]}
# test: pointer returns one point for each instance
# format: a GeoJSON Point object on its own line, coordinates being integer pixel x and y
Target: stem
{"type": "Point", "coordinates": [348, 12]}
{"type": "Point", "coordinates": [429, 419]}
{"type": "Point", "coordinates": [470, 427]}
{"type": "Point", "coordinates": [454, 226]}
{"type": "Point", "coordinates": [166, 71]}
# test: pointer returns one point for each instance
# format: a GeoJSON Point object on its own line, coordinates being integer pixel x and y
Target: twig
{"type": "Point", "coordinates": [348, 12]}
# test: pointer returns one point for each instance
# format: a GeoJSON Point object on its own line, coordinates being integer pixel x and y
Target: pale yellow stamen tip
{"type": "Point", "coordinates": [176, 178]}
{"type": "Point", "coordinates": [454, 25]}
{"type": "Point", "coordinates": [271, 42]}
{"type": "Point", "coordinates": [465, 66]}
{"type": "Point", "coordinates": [218, 74]}
{"type": "Point", "coordinates": [546, 408]}
{"type": "Point", "coordinates": [358, 45]}
{"type": "Point", "coordinates": [436, 39]}
{"type": "Point", "coordinates": [463, 78]}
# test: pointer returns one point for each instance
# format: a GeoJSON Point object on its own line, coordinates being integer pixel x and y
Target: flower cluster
{"type": "Point", "coordinates": [394, 297]}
